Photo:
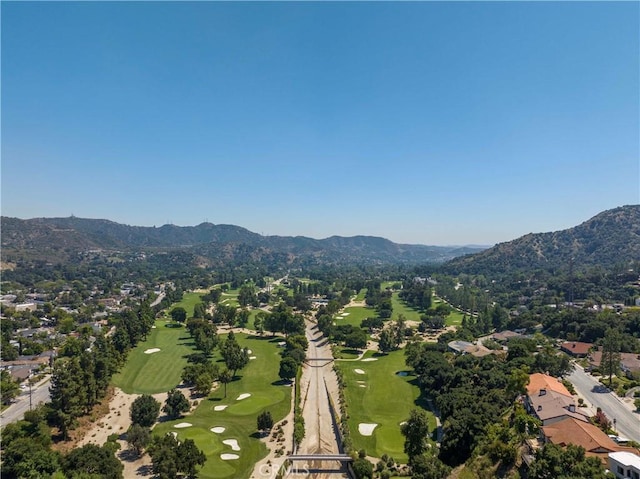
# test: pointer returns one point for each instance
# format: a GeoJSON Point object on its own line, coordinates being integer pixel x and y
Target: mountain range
{"type": "Point", "coordinates": [609, 238]}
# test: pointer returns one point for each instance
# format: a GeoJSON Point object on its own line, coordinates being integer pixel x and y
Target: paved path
{"type": "Point", "coordinates": [39, 395]}
{"type": "Point", "coordinates": [627, 421]}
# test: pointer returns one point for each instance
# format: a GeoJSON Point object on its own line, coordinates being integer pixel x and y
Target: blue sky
{"type": "Point", "coordinates": [432, 123]}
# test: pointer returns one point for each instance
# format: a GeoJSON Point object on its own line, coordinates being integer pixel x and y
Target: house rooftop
{"type": "Point", "coordinates": [551, 404]}
{"type": "Point", "coordinates": [538, 381]}
{"type": "Point", "coordinates": [576, 347]}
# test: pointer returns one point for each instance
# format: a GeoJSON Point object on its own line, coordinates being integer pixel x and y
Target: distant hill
{"type": "Point", "coordinates": [609, 238]}
{"type": "Point", "coordinates": [60, 239]}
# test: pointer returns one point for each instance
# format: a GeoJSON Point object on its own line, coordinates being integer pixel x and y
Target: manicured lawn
{"type": "Point", "coordinates": [188, 302]}
{"type": "Point", "coordinates": [260, 379]}
{"type": "Point", "coordinates": [386, 399]}
{"type": "Point", "coordinates": [400, 307]}
{"type": "Point", "coordinates": [361, 294]}
{"type": "Point", "coordinates": [454, 318]}
{"type": "Point", "coordinates": [355, 315]}
{"type": "Point", "coordinates": [160, 371]}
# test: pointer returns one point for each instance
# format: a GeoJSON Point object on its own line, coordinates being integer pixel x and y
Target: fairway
{"type": "Point", "coordinates": [355, 315]}
{"type": "Point", "coordinates": [187, 302]}
{"type": "Point", "coordinates": [239, 418]}
{"type": "Point", "coordinates": [160, 371]}
{"type": "Point", "coordinates": [386, 399]}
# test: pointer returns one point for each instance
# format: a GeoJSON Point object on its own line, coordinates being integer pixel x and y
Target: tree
{"type": "Point", "coordinates": [427, 466]}
{"type": "Point", "coordinates": [203, 384]}
{"type": "Point", "coordinates": [386, 342]}
{"type": "Point", "coordinates": [288, 368]}
{"type": "Point", "coordinates": [416, 432]}
{"type": "Point", "coordinates": [610, 363]}
{"type": "Point", "coordinates": [570, 462]}
{"type": "Point", "coordinates": [362, 468]}
{"type": "Point", "coordinates": [357, 339]}
{"type": "Point", "coordinates": [265, 422]}
{"type": "Point", "coordinates": [67, 394]}
{"type": "Point", "coordinates": [92, 461]}
{"type": "Point", "coordinates": [175, 404]}
{"type": "Point", "coordinates": [179, 314]}
{"type": "Point", "coordinates": [234, 357]}
{"type": "Point", "coordinates": [225, 378]}
{"type": "Point", "coordinates": [170, 458]}
{"type": "Point", "coordinates": [9, 387]}
{"type": "Point", "coordinates": [145, 410]}
{"type": "Point", "coordinates": [138, 437]}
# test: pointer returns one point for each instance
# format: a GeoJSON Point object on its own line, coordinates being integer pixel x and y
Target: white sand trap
{"type": "Point", "coordinates": [282, 344]}
{"type": "Point", "coordinates": [360, 382]}
{"type": "Point", "coordinates": [359, 371]}
{"type": "Point", "coordinates": [233, 443]}
{"type": "Point", "coordinates": [368, 360]}
{"type": "Point", "coordinates": [243, 396]}
{"type": "Point", "coordinates": [220, 408]}
{"type": "Point", "coordinates": [183, 425]}
{"type": "Point", "coordinates": [174, 434]}
{"type": "Point", "coordinates": [152, 350]}
{"type": "Point", "coordinates": [229, 457]}
{"type": "Point", "coordinates": [344, 315]}
{"type": "Point", "coordinates": [362, 385]}
{"type": "Point", "coordinates": [366, 429]}
{"type": "Point", "coordinates": [249, 351]}
{"type": "Point", "coordinates": [253, 357]}
{"type": "Point", "coordinates": [218, 429]}
{"type": "Point", "coordinates": [153, 327]}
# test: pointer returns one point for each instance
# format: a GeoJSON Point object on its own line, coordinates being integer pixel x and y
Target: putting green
{"type": "Point", "coordinates": [386, 399]}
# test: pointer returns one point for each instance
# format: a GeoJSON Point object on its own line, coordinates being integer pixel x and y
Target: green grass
{"type": "Point", "coordinates": [188, 302]}
{"type": "Point", "coordinates": [260, 379]}
{"type": "Point", "coordinates": [386, 400]}
{"type": "Point", "coordinates": [230, 298]}
{"type": "Point", "coordinates": [356, 315]}
{"type": "Point", "coordinates": [361, 295]}
{"type": "Point", "coordinates": [157, 372]}
{"type": "Point", "coordinates": [400, 307]}
{"type": "Point", "coordinates": [454, 318]}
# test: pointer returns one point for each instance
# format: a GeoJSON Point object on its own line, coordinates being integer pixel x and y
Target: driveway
{"type": "Point", "coordinates": [15, 412]}
{"type": "Point", "coordinates": [627, 421]}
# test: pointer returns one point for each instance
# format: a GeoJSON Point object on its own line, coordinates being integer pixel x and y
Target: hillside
{"type": "Point", "coordinates": [60, 239]}
{"type": "Point", "coordinates": [609, 238]}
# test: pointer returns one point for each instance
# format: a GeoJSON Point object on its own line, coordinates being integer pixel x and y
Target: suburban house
{"type": "Point", "coordinates": [550, 401]}
{"type": "Point", "coordinates": [576, 348]}
{"type": "Point", "coordinates": [464, 347]}
{"type": "Point", "coordinates": [594, 441]}
{"type": "Point", "coordinates": [629, 362]}
{"type": "Point", "coordinates": [625, 465]}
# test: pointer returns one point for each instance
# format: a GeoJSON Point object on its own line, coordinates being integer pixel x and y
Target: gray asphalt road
{"type": "Point", "coordinates": [15, 412]}
{"type": "Point", "coordinates": [627, 422]}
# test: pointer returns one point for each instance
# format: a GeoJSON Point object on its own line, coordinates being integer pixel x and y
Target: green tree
{"type": "Point", "coordinates": [175, 404]}
{"type": "Point", "coordinates": [386, 342]}
{"type": "Point", "coordinates": [138, 437]}
{"type": "Point", "coordinates": [416, 433]}
{"type": "Point", "coordinates": [145, 410]}
{"type": "Point", "coordinates": [610, 363]}
{"type": "Point", "coordinates": [203, 384]}
{"type": "Point", "coordinates": [225, 378]}
{"type": "Point", "coordinates": [67, 394]}
{"type": "Point", "coordinates": [553, 461]}
{"type": "Point", "coordinates": [357, 339]}
{"type": "Point", "coordinates": [288, 368]}
{"type": "Point", "coordinates": [427, 466]}
{"type": "Point", "coordinates": [264, 422]}
{"type": "Point", "coordinates": [234, 356]}
{"type": "Point", "coordinates": [179, 314]}
{"type": "Point", "coordinates": [9, 388]}
{"type": "Point", "coordinates": [362, 468]}
{"type": "Point", "coordinates": [92, 461]}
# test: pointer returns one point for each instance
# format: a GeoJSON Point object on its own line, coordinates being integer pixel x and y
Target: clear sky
{"type": "Point", "coordinates": [432, 123]}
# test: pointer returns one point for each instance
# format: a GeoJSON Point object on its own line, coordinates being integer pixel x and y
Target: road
{"type": "Point", "coordinates": [317, 383]}
{"type": "Point", "coordinates": [627, 422]}
{"type": "Point", "coordinates": [15, 412]}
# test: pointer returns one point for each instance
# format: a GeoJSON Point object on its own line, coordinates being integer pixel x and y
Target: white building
{"type": "Point", "coordinates": [625, 465]}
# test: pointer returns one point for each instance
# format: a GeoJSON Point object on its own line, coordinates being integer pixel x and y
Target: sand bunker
{"type": "Point", "coordinates": [229, 457]}
{"type": "Point", "coordinates": [249, 351]}
{"type": "Point", "coordinates": [368, 360]}
{"type": "Point", "coordinates": [182, 425]}
{"type": "Point", "coordinates": [366, 429]}
{"type": "Point", "coordinates": [220, 408]}
{"type": "Point", "coordinates": [243, 396]}
{"type": "Point", "coordinates": [359, 371]}
{"type": "Point", "coordinates": [344, 315]}
{"type": "Point", "coordinates": [152, 350]}
{"type": "Point", "coordinates": [153, 327]}
{"type": "Point", "coordinates": [217, 430]}
{"type": "Point", "coordinates": [174, 434]}
{"type": "Point", "coordinates": [282, 344]}
{"type": "Point", "coordinates": [362, 385]}
{"type": "Point", "coordinates": [253, 357]}
{"type": "Point", "coordinates": [233, 443]}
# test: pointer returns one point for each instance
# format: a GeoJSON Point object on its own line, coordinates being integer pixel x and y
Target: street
{"type": "Point", "coordinates": [627, 422]}
{"type": "Point", "coordinates": [15, 412]}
